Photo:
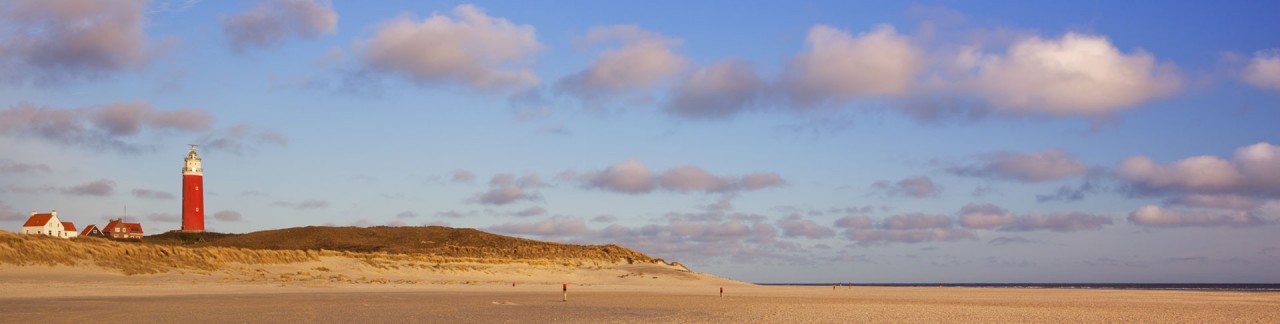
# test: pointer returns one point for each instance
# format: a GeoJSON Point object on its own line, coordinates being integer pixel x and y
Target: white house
{"type": "Point", "coordinates": [49, 224]}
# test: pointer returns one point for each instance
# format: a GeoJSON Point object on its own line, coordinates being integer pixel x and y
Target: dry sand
{"type": "Point", "coordinates": [629, 293]}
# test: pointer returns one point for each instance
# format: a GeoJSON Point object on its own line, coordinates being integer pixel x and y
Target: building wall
{"type": "Point", "coordinates": [192, 203]}
{"type": "Point", "coordinates": [52, 228]}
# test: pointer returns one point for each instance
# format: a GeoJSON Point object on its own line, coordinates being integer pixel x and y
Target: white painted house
{"type": "Point", "coordinates": [49, 224]}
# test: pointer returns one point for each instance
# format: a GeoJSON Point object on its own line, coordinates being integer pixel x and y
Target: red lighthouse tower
{"type": "Point", "coordinates": [192, 195]}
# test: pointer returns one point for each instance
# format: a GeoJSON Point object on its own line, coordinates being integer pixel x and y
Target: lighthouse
{"type": "Point", "coordinates": [192, 194]}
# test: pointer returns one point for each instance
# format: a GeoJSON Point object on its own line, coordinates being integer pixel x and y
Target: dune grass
{"type": "Point", "coordinates": [131, 259]}
{"type": "Point", "coordinates": [436, 241]}
{"type": "Point", "coordinates": [134, 258]}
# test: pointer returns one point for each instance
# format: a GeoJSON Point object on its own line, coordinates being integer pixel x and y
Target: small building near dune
{"type": "Point", "coordinates": [48, 224]}
{"type": "Point", "coordinates": [118, 229]}
{"type": "Point", "coordinates": [91, 230]}
{"type": "Point", "coordinates": [69, 229]}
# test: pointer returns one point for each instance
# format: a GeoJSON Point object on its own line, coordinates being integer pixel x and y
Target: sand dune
{"type": "Point", "coordinates": [48, 279]}
{"type": "Point", "coordinates": [647, 303]}
{"type": "Point", "coordinates": [31, 264]}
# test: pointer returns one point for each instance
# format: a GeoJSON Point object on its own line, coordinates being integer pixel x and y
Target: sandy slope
{"type": "Point", "coordinates": [336, 273]}
{"type": "Point", "coordinates": [350, 290]}
{"type": "Point", "coordinates": [655, 300]}
{"type": "Point", "coordinates": [86, 281]}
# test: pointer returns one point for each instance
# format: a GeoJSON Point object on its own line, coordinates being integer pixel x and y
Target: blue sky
{"type": "Point", "coordinates": [770, 142]}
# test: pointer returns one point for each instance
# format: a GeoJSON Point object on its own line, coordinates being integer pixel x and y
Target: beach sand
{"type": "Point", "coordinates": [62, 294]}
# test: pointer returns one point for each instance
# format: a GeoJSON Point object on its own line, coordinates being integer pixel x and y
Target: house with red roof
{"type": "Point", "coordinates": [49, 224]}
{"type": "Point", "coordinates": [118, 229]}
{"type": "Point", "coordinates": [70, 229]}
{"type": "Point", "coordinates": [91, 230]}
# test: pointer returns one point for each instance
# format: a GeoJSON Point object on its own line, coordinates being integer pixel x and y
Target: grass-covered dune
{"type": "Point", "coordinates": [374, 246]}
{"type": "Point", "coordinates": [426, 240]}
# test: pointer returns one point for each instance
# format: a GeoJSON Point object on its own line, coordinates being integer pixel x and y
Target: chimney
{"type": "Point", "coordinates": [53, 212]}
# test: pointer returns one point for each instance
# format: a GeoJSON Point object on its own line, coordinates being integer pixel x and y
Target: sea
{"type": "Point", "coordinates": [1120, 286]}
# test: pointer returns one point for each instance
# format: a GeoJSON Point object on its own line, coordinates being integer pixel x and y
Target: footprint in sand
{"type": "Point", "coordinates": [505, 303]}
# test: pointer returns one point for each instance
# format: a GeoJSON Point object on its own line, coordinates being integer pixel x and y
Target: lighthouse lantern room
{"type": "Point", "coordinates": [192, 193]}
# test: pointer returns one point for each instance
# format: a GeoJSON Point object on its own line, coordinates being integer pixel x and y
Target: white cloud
{"type": "Point", "coordinates": [839, 67]}
{"type": "Point", "coordinates": [228, 216]}
{"type": "Point", "coordinates": [692, 178]}
{"type": "Point", "coordinates": [108, 126]}
{"type": "Point", "coordinates": [470, 47]}
{"type": "Point", "coordinates": [531, 211]}
{"type": "Point", "coordinates": [987, 216]}
{"type": "Point", "coordinates": [643, 59]}
{"type": "Point", "coordinates": [859, 222]}
{"type": "Point", "coordinates": [630, 176]}
{"type": "Point", "coordinates": [151, 194]}
{"type": "Point", "coordinates": [461, 176]}
{"type": "Point", "coordinates": [241, 138]}
{"type": "Point", "coordinates": [551, 227]}
{"type": "Point", "coordinates": [915, 187]}
{"type": "Point", "coordinates": [688, 177]}
{"type": "Point", "coordinates": [503, 196]}
{"type": "Point", "coordinates": [796, 226]}
{"type": "Point", "coordinates": [1075, 75]}
{"type": "Point", "coordinates": [760, 181]}
{"type": "Point", "coordinates": [7, 166]}
{"type": "Point", "coordinates": [100, 188]}
{"type": "Point", "coordinates": [916, 221]}
{"type": "Point", "coordinates": [1253, 170]}
{"type": "Point", "coordinates": [1040, 166]}
{"type": "Point", "coordinates": [1009, 240]}
{"type": "Point", "coordinates": [1224, 201]}
{"type": "Point", "coordinates": [1155, 216]}
{"type": "Point", "coordinates": [524, 181]}
{"type": "Point", "coordinates": [717, 91]}
{"type": "Point", "coordinates": [1263, 70]}
{"type": "Point", "coordinates": [49, 40]}
{"type": "Point", "coordinates": [698, 237]}
{"type": "Point", "coordinates": [271, 21]}
{"type": "Point", "coordinates": [907, 236]}
{"type": "Point", "coordinates": [1059, 222]}
{"type": "Point", "coordinates": [8, 214]}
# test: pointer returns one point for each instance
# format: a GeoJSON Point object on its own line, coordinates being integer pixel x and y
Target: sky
{"type": "Point", "coordinates": [841, 141]}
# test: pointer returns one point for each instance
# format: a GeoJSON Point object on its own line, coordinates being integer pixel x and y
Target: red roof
{"type": "Point", "coordinates": [38, 220]}
{"type": "Point", "coordinates": [110, 225]}
{"type": "Point", "coordinates": [129, 227]}
{"type": "Point", "coordinates": [88, 229]}
{"type": "Point", "coordinates": [68, 226]}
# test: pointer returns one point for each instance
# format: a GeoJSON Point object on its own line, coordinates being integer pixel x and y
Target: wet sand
{"type": "Point", "coordinates": [648, 303]}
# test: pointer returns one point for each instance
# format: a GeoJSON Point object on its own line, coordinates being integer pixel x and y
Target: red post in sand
{"type": "Point", "coordinates": [721, 291]}
{"type": "Point", "coordinates": [565, 288]}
